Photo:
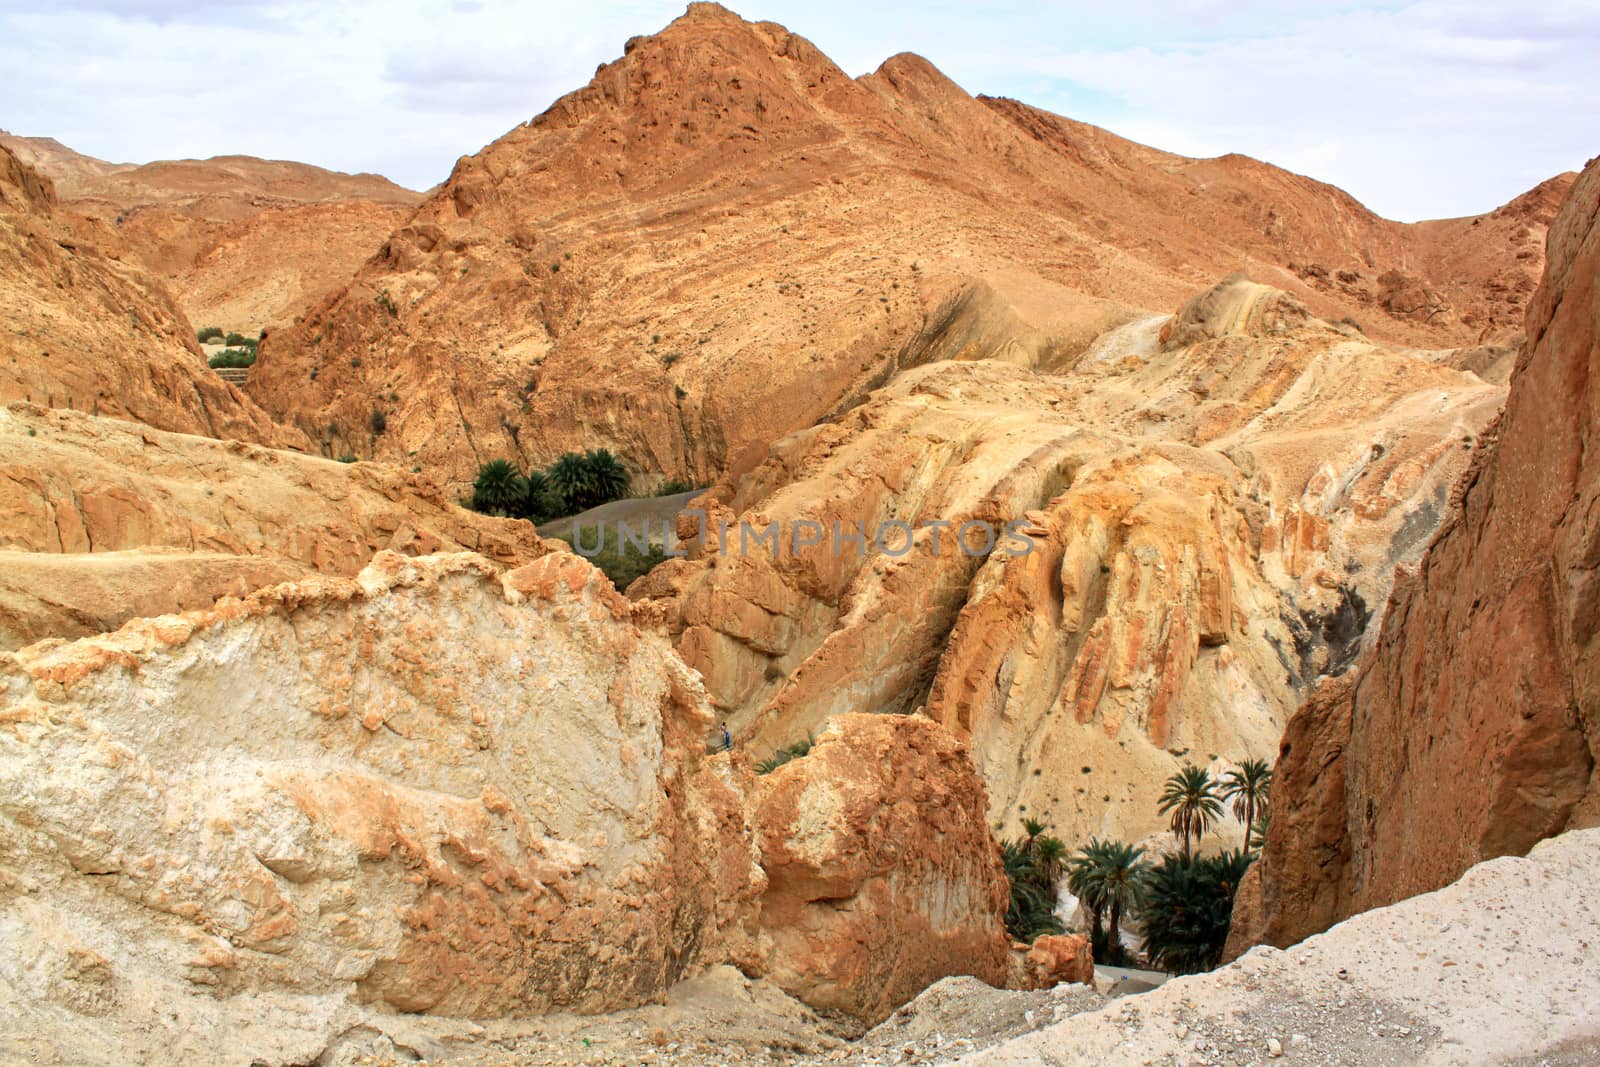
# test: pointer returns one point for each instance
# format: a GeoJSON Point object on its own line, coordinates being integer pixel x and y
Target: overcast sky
{"type": "Point", "coordinates": [1420, 110]}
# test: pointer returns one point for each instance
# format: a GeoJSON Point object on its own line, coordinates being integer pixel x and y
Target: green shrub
{"type": "Point", "coordinates": [1033, 867]}
{"type": "Point", "coordinates": [232, 357]}
{"type": "Point", "coordinates": [379, 421]}
{"type": "Point", "coordinates": [785, 754]}
{"type": "Point", "coordinates": [347, 458]}
{"type": "Point", "coordinates": [234, 339]}
{"type": "Point", "coordinates": [1188, 908]}
{"type": "Point", "coordinates": [209, 333]}
{"type": "Point", "coordinates": [386, 302]}
{"type": "Point", "coordinates": [673, 486]}
{"type": "Point", "coordinates": [498, 488]}
{"type": "Point", "coordinates": [619, 558]}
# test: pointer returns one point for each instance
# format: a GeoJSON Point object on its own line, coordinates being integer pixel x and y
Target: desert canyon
{"type": "Point", "coordinates": [304, 760]}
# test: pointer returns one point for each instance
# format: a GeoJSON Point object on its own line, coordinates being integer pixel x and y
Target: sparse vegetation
{"type": "Point", "coordinates": [619, 558]}
{"type": "Point", "coordinates": [232, 357]}
{"type": "Point", "coordinates": [208, 333]}
{"type": "Point", "coordinates": [386, 302]}
{"type": "Point", "coordinates": [236, 338]}
{"type": "Point", "coordinates": [673, 486]}
{"type": "Point", "coordinates": [786, 753]}
{"type": "Point", "coordinates": [1033, 865]}
{"type": "Point", "coordinates": [348, 458]}
{"type": "Point", "coordinates": [379, 421]}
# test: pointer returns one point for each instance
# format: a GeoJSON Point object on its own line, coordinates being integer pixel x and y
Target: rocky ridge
{"type": "Point", "coordinates": [1215, 502]}
{"type": "Point", "coordinates": [242, 243]}
{"type": "Point", "coordinates": [103, 521]}
{"type": "Point", "coordinates": [723, 239]}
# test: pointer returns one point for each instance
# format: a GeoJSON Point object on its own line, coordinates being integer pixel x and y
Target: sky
{"type": "Point", "coordinates": [1419, 110]}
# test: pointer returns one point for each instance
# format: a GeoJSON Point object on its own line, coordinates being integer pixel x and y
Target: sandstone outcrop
{"type": "Point", "coordinates": [724, 238]}
{"type": "Point", "coordinates": [89, 332]}
{"type": "Point", "coordinates": [436, 787]}
{"type": "Point", "coordinates": [1212, 520]}
{"type": "Point", "coordinates": [445, 788]}
{"type": "Point", "coordinates": [882, 875]}
{"type": "Point", "coordinates": [102, 521]}
{"type": "Point", "coordinates": [1470, 731]}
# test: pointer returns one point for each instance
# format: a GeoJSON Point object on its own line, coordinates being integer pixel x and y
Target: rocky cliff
{"type": "Point", "coordinates": [1471, 729]}
{"type": "Point", "coordinates": [723, 238]}
{"type": "Point", "coordinates": [94, 333]}
{"type": "Point", "coordinates": [1210, 521]}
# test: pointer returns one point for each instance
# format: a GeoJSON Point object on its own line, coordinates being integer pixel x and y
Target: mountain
{"type": "Point", "coordinates": [88, 329]}
{"type": "Point", "coordinates": [723, 238]}
{"type": "Point", "coordinates": [242, 242]}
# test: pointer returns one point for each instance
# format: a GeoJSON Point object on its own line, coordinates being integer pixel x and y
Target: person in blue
{"type": "Point", "coordinates": [727, 739]}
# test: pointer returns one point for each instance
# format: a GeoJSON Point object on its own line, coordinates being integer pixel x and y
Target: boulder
{"type": "Point", "coordinates": [882, 874]}
{"type": "Point", "coordinates": [435, 787]}
{"type": "Point", "coordinates": [1051, 960]}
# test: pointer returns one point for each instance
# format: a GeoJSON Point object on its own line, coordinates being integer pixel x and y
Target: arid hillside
{"type": "Point", "coordinates": [88, 329]}
{"type": "Point", "coordinates": [1215, 501]}
{"type": "Point", "coordinates": [243, 243]}
{"type": "Point", "coordinates": [723, 238]}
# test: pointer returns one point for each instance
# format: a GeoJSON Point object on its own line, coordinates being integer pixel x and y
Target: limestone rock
{"type": "Point", "coordinates": [103, 521]}
{"type": "Point", "coordinates": [1209, 530]}
{"type": "Point", "coordinates": [882, 874]}
{"type": "Point", "coordinates": [1470, 730]}
{"type": "Point", "coordinates": [435, 787]}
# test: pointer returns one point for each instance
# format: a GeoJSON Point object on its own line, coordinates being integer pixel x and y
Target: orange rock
{"type": "Point", "coordinates": [1468, 731]}
{"type": "Point", "coordinates": [1052, 960]}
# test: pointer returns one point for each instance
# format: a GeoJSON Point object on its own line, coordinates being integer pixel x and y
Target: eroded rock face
{"type": "Point", "coordinates": [1470, 731]}
{"type": "Point", "coordinates": [437, 787]}
{"type": "Point", "coordinates": [882, 875]}
{"type": "Point", "coordinates": [1210, 522]}
{"type": "Point", "coordinates": [89, 332]}
{"type": "Point", "coordinates": [103, 521]}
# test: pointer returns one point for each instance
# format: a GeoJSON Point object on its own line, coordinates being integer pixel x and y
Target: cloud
{"type": "Point", "coordinates": [1427, 108]}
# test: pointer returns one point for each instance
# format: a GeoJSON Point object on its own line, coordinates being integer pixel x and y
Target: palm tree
{"type": "Point", "coordinates": [1108, 876]}
{"type": "Point", "coordinates": [607, 476]}
{"type": "Point", "coordinates": [498, 489]}
{"type": "Point", "coordinates": [1189, 909]}
{"type": "Point", "coordinates": [1248, 788]}
{"type": "Point", "coordinates": [1191, 797]}
{"type": "Point", "coordinates": [569, 478]}
{"type": "Point", "coordinates": [1033, 867]}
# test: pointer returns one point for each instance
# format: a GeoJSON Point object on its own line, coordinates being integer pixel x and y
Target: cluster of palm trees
{"type": "Point", "coordinates": [1184, 902]}
{"type": "Point", "coordinates": [575, 482]}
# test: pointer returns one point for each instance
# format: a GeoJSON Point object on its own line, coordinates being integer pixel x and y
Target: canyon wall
{"type": "Point", "coordinates": [1473, 727]}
